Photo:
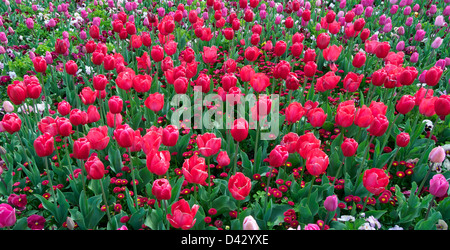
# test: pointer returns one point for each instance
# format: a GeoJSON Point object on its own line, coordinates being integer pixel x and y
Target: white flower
{"type": "Point", "coordinates": [12, 74]}
{"type": "Point", "coordinates": [373, 222]}
{"type": "Point", "coordinates": [346, 218]}
{"type": "Point", "coordinates": [366, 226]}
{"type": "Point", "coordinates": [396, 227]}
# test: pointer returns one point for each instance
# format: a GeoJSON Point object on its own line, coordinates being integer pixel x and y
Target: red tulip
{"type": "Point", "coordinates": [142, 83]}
{"type": "Point", "coordinates": [81, 148]}
{"type": "Point", "coordinates": [17, 92]}
{"type": "Point", "coordinates": [427, 106]}
{"type": "Point", "coordinates": [94, 167]}
{"type": "Point", "coordinates": [88, 96]}
{"type": "Point", "coordinates": [352, 81]}
{"type": "Point", "coordinates": [281, 70]}
{"type": "Point", "coordinates": [323, 40]}
{"type": "Point", "coordinates": [420, 95]}
{"type": "Point", "coordinates": [407, 76]}
{"type": "Point", "coordinates": [278, 156]}
{"type": "Point", "coordinates": [11, 123]}
{"type": "Point", "coordinates": [289, 141]}
{"type": "Point", "coordinates": [125, 78]}
{"type": "Point", "coordinates": [98, 57]}
{"type": "Point", "coordinates": [155, 102]}
{"type": "Point", "coordinates": [194, 170]}
{"type": "Point", "coordinates": [34, 90]}
{"type": "Point", "coordinates": [158, 162]}
{"type": "Point", "coordinates": [157, 53]}
{"type": "Point", "coordinates": [296, 49]}
{"type": "Point", "coordinates": [259, 82]}
{"type": "Point", "coordinates": [292, 82]}
{"type": "Point", "coordinates": [289, 22]}
{"type": "Point", "coordinates": [63, 126]}
{"type": "Point", "coordinates": [375, 180]}
{"type": "Point", "coordinates": [332, 53]}
{"type": "Point", "coordinates": [402, 139]}
{"type": "Point", "coordinates": [379, 77]}
{"type": "Point", "coordinates": [78, 117]}
{"type": "Point", "coordinates": [115, 104]}
{"type": "Point", "coordinates": [98, 137]}
{"type": "Point", "coordinates": [90, 46]}
{"type": "Point", "coordinates": [251, 53]}
{"type": "Point", "coordinates": [364, 117]}
{"type": "Point", "coordinates": [61, 47]}
{"type": "Point", "coordinates": [64, 108]}
{"type": "Point", "coordinates": [124, 135]}
{"type": "Point", "coordinates": [349, 147]}
{"type": "Point", "coordinates": [94, 31]}
{"type": "Point", "coordinates": [180, 85]}
{"type": "Point", "coordinates": [359, 24]}
{"type": "Point", "coordinates": [328, 81]}
{"type": "Point", "coordinates": [294, 112]}
{"type": "Point", "coordinates": [442, 105]}
{"type": "Point", "coordinates": [262, 108]}
{"type": "Point", "coordinates": [71, 67]}
{"type": "Point", "coordinates": [246, 73]}
{"type": "Point", "coordinates": [306, 15]}
{"type": "Point", "coordinates": [306, 143]}
{"type": "Point", "coordinates": [316, 117]}
{"type": "Point", "coordinates": [433, 75]}
{"type": "Point", "coordinates": [239, 131]}
{"type": "Point", "coordinates": [170, 135]}
{"type": "Point", "coordinates": [310, 55]}
{"type": "Point", "coordinates": [162, 189]}
{"type": "Point", "coordinates": [99, 82]}
{"type": "Point", "coordinates": [378, 108]}
{"type": "Point", "coordinates": [317, 162]}
{"type": "Point", "coordinates": [364, 35]}
{"type": "Point", "coordinates": [379, 125]}
{"type": "Point", "coordinates": [192, 16]}
{"type": "Point", "coordinates": [152, 139]}
{"type": "Point", "coordinates": [405, 104]}
{"type": "Point", "coordinates": [48, 125]}
{"type": "Point", "coordinates": [223, 159]}
{"type": "Point", "coordinates": [39, 63]}
{"type": "Point", "coordinates": [209, 54]}
{"type": "Point", "coordinates": [182, 216]}
{"type": "Point", "coordinates": [382, 49]}
{"type": "Point", "coordinates": [310, 68]}
{"type": "Point", "coordinates": [345, 114]}
{"type": "Point", "coordinates": [280, 48]}
{"type": "Point", "coordinates": [239, 186]}
{"type": "Point", "coordinates": [359, 59]}
{"type": "Point", "coordinates": [130, 28]}
{"type": "Point", "coordinates": [44, 145]}
{"type": "Point", "coordinates": [208, 144]}
{"type": "Point", "coordinates": [113, 120]}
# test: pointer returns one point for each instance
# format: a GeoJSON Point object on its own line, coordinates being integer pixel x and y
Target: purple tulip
{"type": "Point", "coordinates": [439, 21]}
{"type": "Point", "coordinates": [414, 57]}
{"type": "Point", "coordinates": [400, 46]}
{"type": "Point", "coordinates": [420, 35]}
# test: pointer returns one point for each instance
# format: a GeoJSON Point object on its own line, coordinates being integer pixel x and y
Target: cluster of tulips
{"type": "Point", "coordinates": [355, 92]}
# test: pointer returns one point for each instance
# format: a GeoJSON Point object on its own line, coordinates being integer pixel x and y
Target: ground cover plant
{"type": "Point", "coordinates": [224, 115]}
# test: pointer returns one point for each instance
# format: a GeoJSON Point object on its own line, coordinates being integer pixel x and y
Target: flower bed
{"type": "Point", "coordinates": [228, 115]}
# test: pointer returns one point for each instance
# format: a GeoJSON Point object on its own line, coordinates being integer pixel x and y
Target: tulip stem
{"type": "Point", "coordinates": [235, 157]}
{"type": "Point", "coordinates": [133, 177]}
{"type": "Point", "coordinates": [339, 171]}
{"type": "Point", "coordinates": [105, 200]}
{"type": "Point", "coordinates": [364, 157]}
{"type": "Point", "coordinates": [365, 202]}
{"type": "Point", "coordinates": [430, 167]}
{"type": "Point", "coordinates": [392, 161]}
{"type": "Point", "coordinates": [389, 132]}
{"type": "Point", "coordinates": [310, 188]}
{"type": "Point", "coordinates": [49, 178]}
{"type": "Point", "coordinates": [429, 207]}
{"type": "Point", "coordinates": [267, 186]}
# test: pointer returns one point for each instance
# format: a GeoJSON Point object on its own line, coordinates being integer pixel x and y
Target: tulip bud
{"type": "Point", "coordinates": [439, 185]}
{"type": "Point", "coordinates": [331, 203]}
{"type": "Point", "coordinates": [437, 155]}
